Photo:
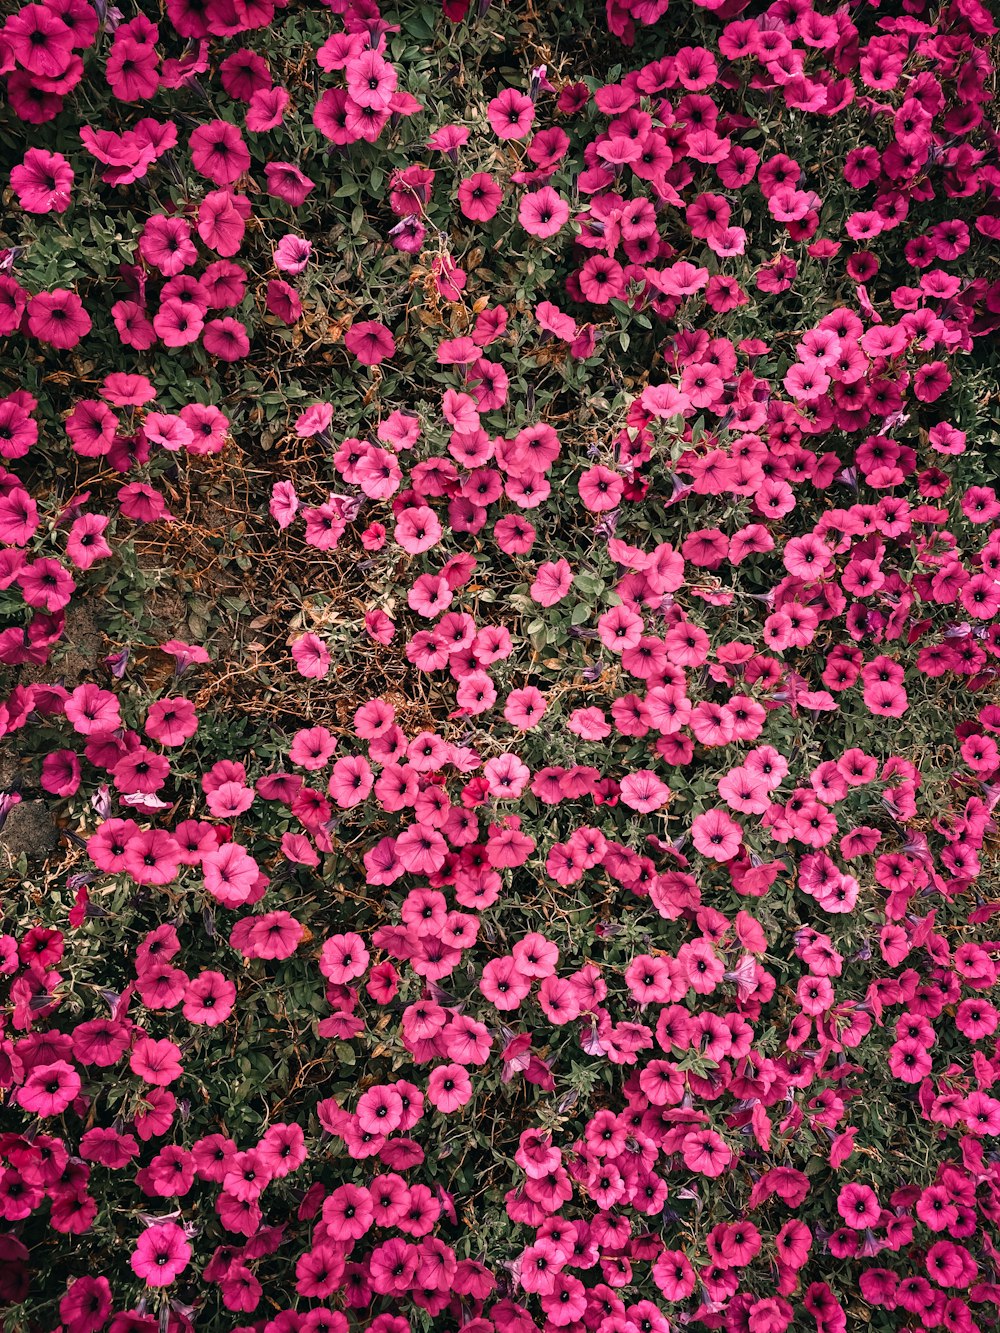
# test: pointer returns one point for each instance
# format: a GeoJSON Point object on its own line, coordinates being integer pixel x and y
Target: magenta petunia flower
{"type": "Point", "coordinates": [285, 181]}
{"type": "Point", "coordinates": [58, 318]}
{"type": "Point", "coordinates": [511, 114]}
{"type": "Point", "coordinates": [218, 152]}
{"type": "Point", "coordinates": [230, 874]}
{"type": "Point", "coordinates": [171, 721]}
{"type": "Point", "coordinates": [449, 1088]}
{"type": "Point", "coordinates": [165, 242]}
{"type": "Point", "coordinates": [716, 835]}
{"type": "Point", "coordinates": [311, 656]}
{"type": "Point", "coordinates": [178, 323]}
{"type": "Point", "coordinates": [43, 182]}
{"type": "Point", "coordinates": [267, 110]}
{"type": "Point", "coordinates": [226, 339]}
{"type": "Point", "coordinates": [344, 957]}
{"type": "Point", "coordinates": [291, 254]}
{"type": "Point", "coordinates": [643, 791]}
{"type": "Point", "coordinates": [600, 489]}
{"type": "Point", "coordinates": [602, 280]}
{"type": "Point", "coordinates": [221, 223]}
{"type": "Point", "coordinates": [49, 1089]}
{"type": "Point", "coordinates": [156, 1062]}
{"type": "Point", "coordinates": [40, 41]}
{"type": "Point", "coordinates": [552, 582]}
{"type": "Point", "coordinates": [161, 1254]}
{"type": "Point", "coordinates": [370, 342]}
{"type": "Point", "coordinates": [371, 80]}
{"type": "Point", "coordinates": [479, 197]}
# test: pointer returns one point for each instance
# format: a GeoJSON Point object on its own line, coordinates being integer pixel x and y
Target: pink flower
{"type": "Point", "coordinates": [230, 874]}
{"type": "Point", "coordinates": [590, 724]}
{"type": "Point", "coordinates": [348, 1212]}
{"type": "Point", "coordinates": [58, 317]}
{"type": "Point", "coordinates": [552, 320]}
{"type": "Point", "coordinates": [417, 529]}
{"type": "Point", "coordinates": [543, 212]}
{"type": "Point", "coordinates": [909, 1061]}
{"type": "Point", "coordinates": [858, 1206]}
{"type": "Point", "coordinates": [13, 300]}
{"type": "Point", "coordinates": [702, 965]}
{"type": "Point", "coordinates": [449, 1087]}
{"type": "Point", "coordinates": [643, 791]}
{"type": "Point", "coordinates": [226, 339]}
{"type": "Point", "coordinates": [343, 958]}
{"type": "Point", "coordinates": [552, 582]}
{"type": "Point", "coordinates": [535, 955]}
{"type": "Point", "coordinates": [312, 747]}
{"type": "Point", "coordinates": [90, 709]}
{"type": "Point", "coordinates": [421, 849]}
{"type": "Point", "coordinates": [185, 654]}
{"type": "Point", "coordinates": [931, 381]}
{"type": "Point", "coordinates": [45, 584]}
{"type": "Point", "coordinates": [156, 1062]}
{"type": "Point", "coordinates": [600, 489]}
{"type": "Point", "coordinates": [674, 1275]}
{"type": "Point", "coordinates": [49, 1089]}
{"type": "Point", "coordinates": [284, 503]}
{"type": "Point", "coordinates": [479, 197]}
{"type": "Point", "coordinates": [247, 1176]}
{"type": "Point", "coordinates": [292, 253]}
{"type": "Point", "coordinates": [449, 139]}
{"type": "Point", "coordinates": [43, 182]}
{"type": "Point", "coordinates": [393, 1266]}
{"type": "Point", "coordinates": [504, 984]}
{"type": "Point", "coordinates": [559, 1000]}
{"type": "Point", "coordinates": [702, 384]}
{"type": "Point", "coordinates": [41, 43]}
{"type": "Point", "coordinates": [171, 721]}
{"type": "Point", "coordinates": [350, 781]}
{"type": "Point", "coordinates": [284, 179]}
{"type": "Point", "coordinates": [18, 429]}
{"type": "Point", "coordinates": [209, 999]}
{"type": "Point", "coordinates": [178, 323]}
{"type": "Point", "coordinates": [283, 301]}
{"type": "Point", "coordinates": [602, 280]}
{"type": "Point", "coordinates": [380, 1110]}
{"type": "Point", "coordinates": [165, 242]}
{"type": "Point", "coordinates": [370, 342]}
{"type": "Point", "coordinates": [18, 517]}
{"type": "Point", "coordinates": [705, 1151]}
{"type": "Point", "coordinates": [311, 656]}
{"type": "Point", "coordinates": [218, 152]}
{"type": "Point", "coordinates": [227, 800]}
{"type": "Point", "coordinates": [273, 935]}
{"type": "Point", "coordinates": [716, 835]}
{"type": "Point", "coordinates": [161, 1254]}
{"type": "Point", "coordinates": [221, 224]}
{"type": "Point", "coordinates": [379, 626]}
{"type": "Point", "coordinates": [511, 115]}
{"type": "Point", "coordinates": [524, 708]}
{"type": "Point", "coordinates": [806, 382]}
{"type": "Point", "coordinates": [371, 81]}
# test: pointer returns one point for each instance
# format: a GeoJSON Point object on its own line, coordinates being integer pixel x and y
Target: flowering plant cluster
{"type": "Point", "coordinates": [574, 912]}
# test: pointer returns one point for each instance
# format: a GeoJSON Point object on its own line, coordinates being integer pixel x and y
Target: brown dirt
{"type": "Point", "coordinates": [28, 828]}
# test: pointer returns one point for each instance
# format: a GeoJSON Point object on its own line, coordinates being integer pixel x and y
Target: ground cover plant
{"type": "Point", "coordinates": [500, 574]}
